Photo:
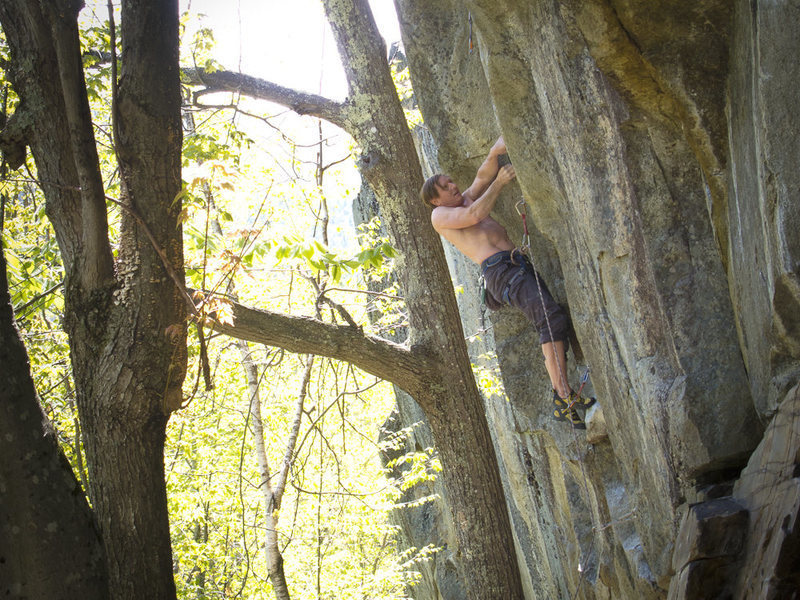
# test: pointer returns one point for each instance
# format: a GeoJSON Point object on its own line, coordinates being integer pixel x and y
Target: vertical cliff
{"type": "Point", "coordinates": [655, 146]}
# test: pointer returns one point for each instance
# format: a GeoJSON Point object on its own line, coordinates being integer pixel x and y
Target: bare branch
{"type": "Point", "coordinates": [395, 363]}
{"type": "Point", "coordinates": [300, 102]}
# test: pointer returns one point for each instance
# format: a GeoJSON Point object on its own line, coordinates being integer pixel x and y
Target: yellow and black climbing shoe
{"type": "Point", "coordinates": [574, 400]}
{"type": "Point", "coordinates": [562, 411]}
{"type": "Point", "coordinates": [580, 401]}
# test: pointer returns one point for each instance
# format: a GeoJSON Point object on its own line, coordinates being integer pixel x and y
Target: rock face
{"type": "Point", "coordinates": [655, 146]}
{"type": "Point", "coordinates": [709, 543]}
{"type": "Point", "coordinates": [770, 489]}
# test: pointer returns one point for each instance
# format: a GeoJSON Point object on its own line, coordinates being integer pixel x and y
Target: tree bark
{"type": "Point", "coordinates": [445, 387]}
{"type": "Point", "coordinates": [409, 368]}
{"type": "Point", "coordinates": [49, 546]}
{"type": "Point", "coordinates": [97, 266]}
{"type": "Point", "coordinates": [127, 334]}
{"type": "Point", "coordinates": [128, 371]}
{"type": "Point", "coordinates": [127, 401]}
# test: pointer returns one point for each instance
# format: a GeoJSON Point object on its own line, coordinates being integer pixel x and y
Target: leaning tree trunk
{"type": "Point", "coordinates": [49, 547]}
{"type": "Point", "coordinates": [450, 397]}
{"type": "Point", "coordinates": [126, 326]}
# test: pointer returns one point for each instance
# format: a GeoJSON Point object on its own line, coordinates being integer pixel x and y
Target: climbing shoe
{"type": "Point", "coordinates": [562, 411]}
{"type": "Point", "coordinates": [580, 401]}
{"type": "Point", "coordinates": [574, 400]}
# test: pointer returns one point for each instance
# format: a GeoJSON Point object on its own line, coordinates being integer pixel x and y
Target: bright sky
{"type": "Point", "coordinates": [288, 43]}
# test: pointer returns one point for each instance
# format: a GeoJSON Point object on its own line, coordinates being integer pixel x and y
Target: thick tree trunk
{"type": "Point", "coordinates": [451, 400]}
{"type": "Point", "coordinates": [49, 546]}
{"type": "Point", "coordinates": [127, 400]}
{"type": "Point", "coordinates": [127, 336]}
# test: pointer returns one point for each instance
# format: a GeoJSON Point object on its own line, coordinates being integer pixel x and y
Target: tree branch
{"type": "Point", "coordinates": [98, 266]}
{"type": "Point", "coordinates": [300, 102]}
{"type": "Point", "coordinates": [402, 366]}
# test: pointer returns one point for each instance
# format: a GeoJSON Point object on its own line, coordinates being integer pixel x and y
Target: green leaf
{"type": "Point", "coordinates": [179, 196]}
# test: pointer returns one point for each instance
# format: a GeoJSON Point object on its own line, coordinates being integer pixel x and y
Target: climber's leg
{"type": "Point", "coordinates": [555, 361]}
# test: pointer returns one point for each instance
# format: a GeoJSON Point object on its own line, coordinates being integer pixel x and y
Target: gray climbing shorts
{"type": "Point", "coordinates": [510, 278]}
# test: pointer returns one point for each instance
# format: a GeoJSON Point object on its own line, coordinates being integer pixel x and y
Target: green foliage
{"type": "Point", "coordinates": [336, 508]}
{"type": "Point", "coordinates": [35, 282]}
{"type": "Point", "coordinates": [252, 224]}
{"type": "Point", "coordinates": [402, 83]}
{"type": "Point", "coordinates": [487, 375]}
{"type": "Point", "coordinates": [94, 41]}
{"type": "Point", "coordinates": [321, 260]}
{"type": "Point", "coordinates": [31, 253]}
{"type": "Point", "coordinates": [201, 47]}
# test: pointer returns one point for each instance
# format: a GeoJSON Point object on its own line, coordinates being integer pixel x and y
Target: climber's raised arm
{"type": "Point", "coordinates": [458, 211]}
{"type": "Point", "coordinates": [487, 171]}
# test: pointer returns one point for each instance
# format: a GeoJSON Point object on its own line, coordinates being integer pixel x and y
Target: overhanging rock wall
{"type": "Point", "coordinates": [656, 150]}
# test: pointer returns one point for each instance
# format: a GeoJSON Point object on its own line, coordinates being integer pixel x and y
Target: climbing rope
{"type": "Point", "coordinates": [525, 248]}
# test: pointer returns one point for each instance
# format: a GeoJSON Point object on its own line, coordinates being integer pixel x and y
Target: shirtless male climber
{"type": "Point", "coordinates": [463, 219]}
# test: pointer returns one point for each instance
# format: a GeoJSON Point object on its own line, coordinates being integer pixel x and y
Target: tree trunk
{"type": "Point", "coordinates": [127, 335]}
{"type": "Point", "coordinates": [49, 546]}
{"type": "Point", "coordinates": [136, 382]}
{"type": "Point", "coordinates": [451, 399]}
{"type": "Point", "coordinates": [271, 493]}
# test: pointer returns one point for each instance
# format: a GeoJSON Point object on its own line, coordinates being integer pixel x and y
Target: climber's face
{"type": "Point", "coordinates": [449, 195]}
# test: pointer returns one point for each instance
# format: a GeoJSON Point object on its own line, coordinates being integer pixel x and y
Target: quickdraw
{"type": "Point", "coordinates": [584, 379]}
{"type": "Point", "coordinates": [470, 31]}
{"type": "Point", "coordinates": [526, 236]}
